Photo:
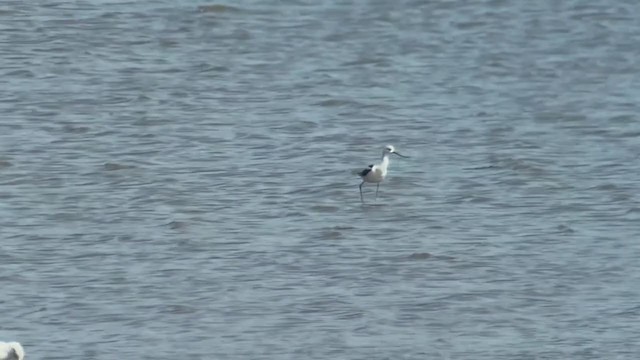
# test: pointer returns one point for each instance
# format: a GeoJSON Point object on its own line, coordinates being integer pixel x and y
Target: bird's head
{"type": "Point", "coordinates": [389, 149]}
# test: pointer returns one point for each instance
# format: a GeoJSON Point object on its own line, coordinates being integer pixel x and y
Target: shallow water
{"type": "Point", "coordinates": [177, 179]}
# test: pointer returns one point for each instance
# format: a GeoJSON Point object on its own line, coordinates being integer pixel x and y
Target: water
{"type": "Point", "coordinates": [176, 179]}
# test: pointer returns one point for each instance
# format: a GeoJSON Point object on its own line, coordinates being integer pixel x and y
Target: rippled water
{"type": "Point", "coordinates": [177, 179]}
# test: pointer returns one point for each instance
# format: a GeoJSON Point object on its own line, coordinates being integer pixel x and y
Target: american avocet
{"type": "Point", "coordinates": [11, 351]}
{"type": "Point", "coordinates": [376, 173]}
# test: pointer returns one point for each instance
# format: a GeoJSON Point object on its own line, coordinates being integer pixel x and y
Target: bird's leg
{"type": "Point", "coordinates": [361, 199]}
{"type": "Point", "coordinates": [377, 187]}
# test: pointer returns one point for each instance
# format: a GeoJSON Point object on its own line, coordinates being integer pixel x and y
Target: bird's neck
{"type": "Point", "coordinates": [385, 161]}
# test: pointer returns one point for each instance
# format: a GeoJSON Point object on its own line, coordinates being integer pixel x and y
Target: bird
{"type": "Point", "coordinates": [375, 173]}
{"type": "Point", "coordinates": [11, 351]}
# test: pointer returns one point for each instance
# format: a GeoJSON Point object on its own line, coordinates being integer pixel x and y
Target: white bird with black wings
{"type": "Point", "coordinates": [376, 173]}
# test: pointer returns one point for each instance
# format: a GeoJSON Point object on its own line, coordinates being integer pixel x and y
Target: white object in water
{"type": "Point", "coordinates": [11, 351]}
{"type": "Point", "coordinates": [375, 173]}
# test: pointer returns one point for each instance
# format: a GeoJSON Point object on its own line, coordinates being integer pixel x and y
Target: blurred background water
{"type": "Point", "coordinates": [177, 179]}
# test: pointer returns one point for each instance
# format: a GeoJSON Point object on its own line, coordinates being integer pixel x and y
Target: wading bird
{"type": "Point", "coordinates": [376, 173]}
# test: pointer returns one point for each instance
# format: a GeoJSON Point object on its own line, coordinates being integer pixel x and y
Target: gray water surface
{"type": "Point", "coordinates": [177, 179]}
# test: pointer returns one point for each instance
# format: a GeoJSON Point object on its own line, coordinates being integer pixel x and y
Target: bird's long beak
{"type": "Point", "coordinates": [397, 153]}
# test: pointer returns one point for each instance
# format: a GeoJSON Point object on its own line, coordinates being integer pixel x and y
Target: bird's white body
{"type": "Point", "coordinates": [376, 173]}
{"type": "Point", "coordinates": [11, 351]}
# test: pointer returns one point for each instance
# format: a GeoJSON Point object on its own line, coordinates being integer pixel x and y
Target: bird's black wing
{"type": "Point", "coordinates": [364, 172]}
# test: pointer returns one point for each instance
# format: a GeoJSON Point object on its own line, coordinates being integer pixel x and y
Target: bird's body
{"type": "Point", "coordinates": [376, 173]}
{"type": "Point", "coordinates": [11, 351]}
